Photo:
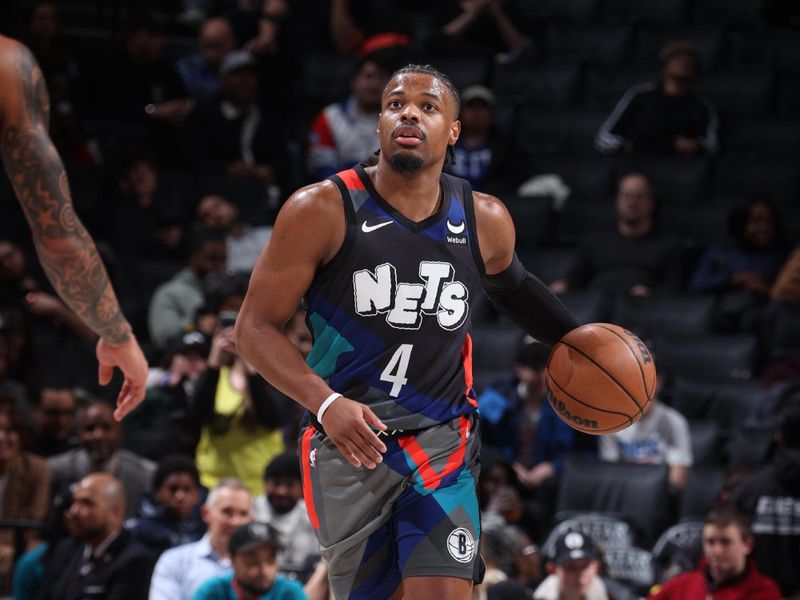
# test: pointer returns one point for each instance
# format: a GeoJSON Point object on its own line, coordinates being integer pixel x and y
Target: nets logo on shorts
{"type": "Point", "coordinates": [461, 545]}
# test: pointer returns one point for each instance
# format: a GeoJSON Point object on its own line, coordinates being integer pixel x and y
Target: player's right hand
{"type": "Point", "coordinates": [130, 359]}
{"type": "Point", "coordinates": [347, 424]}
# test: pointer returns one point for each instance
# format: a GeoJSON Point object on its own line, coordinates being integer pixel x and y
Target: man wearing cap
{"type": "Point", "coordinates": [476, 153]}
{"type": "Point", "coordinates": [281, 506]}
{"type": "Point", "coordinates": [574, 571]}
{"type": "Point", "coordinates": [254, 555]}
{"type": "Point", "coordinates": [229, 134]}
{"type": "Point", "coordinates": [663, 117]}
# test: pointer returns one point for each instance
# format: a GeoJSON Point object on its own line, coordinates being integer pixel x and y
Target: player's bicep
{"type": "Point", "coordinates": [496, 235]}
{"type": "Point", "coordinates": [307, 231]}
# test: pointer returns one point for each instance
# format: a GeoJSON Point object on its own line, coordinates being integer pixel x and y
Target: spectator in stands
{"type": "Point", "coordinates": [25, 488]}
{"type": "Point", "coordinates": [54, 420]}
{"type": "Point", "coordinates": [101, 559]}
{"type": "Point", "coordinates": [742, 273]}
{"type": "Point", "coordinates": [100, 452]}
{"type": "Point", "coordinates": [181, 571]}
{"type": "Point", "coordinates": [345, 133]}
{"type": "Point", "coordinates": [258, 24]}
{"type": "Point", "coordinates": [281, 507]}
{"type": "Point", "coordinates": [360, 27]}
{"type": "Point", "coordinates": [244, 242]}
{"type": "Point", "coordinates": [238, 415]}
{"type": "Point", "coordinates": [513, 553]}
{"type": "Point", "coordinates": [228, 134]}
{"type": "Point", "coordinates": [9, 359]}
{"type": "Point", "coordinates": [771, 497]}
{"type": "Point", "coordinates": [29, 570]}
{"type": "Point", "coordinates": [478, 153]}
{"type": "Point", "coordinates": [174, 303]}
{"type": "Point", "coordinates": [169, 513]}
{"type": "Point", "coordinates": [147, 221]}
{"type": "Point", "coordinates": [483, 26]}
{"type": "Point", "coordinates": [726, 570]}
{"type": "Point", "coordinates": [200, 70]}
{"type": "Point", "coordinates": [660, 436]}
{"type": "Point", "coordinates": [254, 552]}
{"type": "Point", "coordinates": [665, 117]}
{"type": "Point", "coordinates": [574, 570]}
{"type": "Point", "coordinates": [635, 259]}
{"type": "Point", "coordinates": [46, 42]}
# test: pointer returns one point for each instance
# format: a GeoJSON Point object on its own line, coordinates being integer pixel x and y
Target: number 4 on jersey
{"type": "Point", "coordinates": [395, 371]}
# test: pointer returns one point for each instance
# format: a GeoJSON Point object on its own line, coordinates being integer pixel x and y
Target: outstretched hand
{"type": "Point", "coordinates": [347, 423]}
{"type": "Point", "coordinates": [131, 361]}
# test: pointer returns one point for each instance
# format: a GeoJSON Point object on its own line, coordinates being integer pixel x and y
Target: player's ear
{"type": "Point", "coordinates": [455, 131]}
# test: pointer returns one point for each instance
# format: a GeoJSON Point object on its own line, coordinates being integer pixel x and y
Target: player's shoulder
{"type": "Point", "coordinates": [15, 58]}
{"type": "Point", "coordinates": [490, 209]}
{"type": "Point", "coordinates": [317, 203]}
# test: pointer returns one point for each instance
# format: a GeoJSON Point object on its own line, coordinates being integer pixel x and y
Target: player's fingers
{"type": "Point", "coordinates": [370, 442]}
{"type": "Point", "coordinates": [371, 418]}
{"type": "Point", "coordinates": [349, 455]}
{"type": "Point", "coordinates": [104, 374]}
{"type": "Point", "coordinates": [362, 452]}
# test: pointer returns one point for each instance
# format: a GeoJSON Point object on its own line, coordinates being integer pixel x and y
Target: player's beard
{"type": "Point", "coordinates": [405, 162]}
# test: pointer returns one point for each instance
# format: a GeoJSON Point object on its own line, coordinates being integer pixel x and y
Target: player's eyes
{"type": "Point", "coordinates": [429, 107]}
{"type": "Point", "coordinates": [395, 104]}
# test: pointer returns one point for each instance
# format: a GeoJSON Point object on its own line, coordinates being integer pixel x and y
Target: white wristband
{"type": "Point", "coordinates": [326, 405]}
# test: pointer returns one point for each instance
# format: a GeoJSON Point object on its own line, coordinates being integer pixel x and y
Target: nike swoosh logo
{"type": "Point", "coordinates": [367, 228]}
{"type": "Point", "coordinates": [456, 229]}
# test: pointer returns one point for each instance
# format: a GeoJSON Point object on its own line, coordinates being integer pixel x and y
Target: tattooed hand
{"type": "Point", "coordinates": [66, 250]}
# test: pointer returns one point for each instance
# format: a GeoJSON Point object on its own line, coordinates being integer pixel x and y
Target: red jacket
{"type": "Point", "coordinates": [694, 585]}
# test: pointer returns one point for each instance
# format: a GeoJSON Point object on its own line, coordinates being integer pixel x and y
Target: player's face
{"type": "Point", "coordinates": [257, 568]}
{"type": "Point", "coordinates": [417, 122]}
{"type": "Point", "coordinates": [725, 550]}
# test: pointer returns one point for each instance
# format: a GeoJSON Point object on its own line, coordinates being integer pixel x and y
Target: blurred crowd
{"type": "Point", "coordinates": [184, 124]}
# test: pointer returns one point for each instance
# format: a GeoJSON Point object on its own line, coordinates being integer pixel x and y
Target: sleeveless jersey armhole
{"type": "Point", "coordinates": [349, 224]}
{"type": "Point", "coordinates": [472, 225]}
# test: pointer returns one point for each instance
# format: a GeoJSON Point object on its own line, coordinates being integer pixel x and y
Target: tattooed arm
{"type": "Point", "coordinates": [65, 248]}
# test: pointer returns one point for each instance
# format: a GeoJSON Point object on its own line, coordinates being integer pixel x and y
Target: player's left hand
{"type": "Point", "coordinates": [130, 359]}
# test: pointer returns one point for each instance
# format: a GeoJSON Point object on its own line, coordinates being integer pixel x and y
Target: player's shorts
{"type": "Point", "coordinates": [416, 514]}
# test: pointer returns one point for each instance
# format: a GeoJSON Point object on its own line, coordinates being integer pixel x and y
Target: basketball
{"type": "Point", "coordinates": [600, 378]}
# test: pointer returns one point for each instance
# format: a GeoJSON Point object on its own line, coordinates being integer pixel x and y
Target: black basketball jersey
{"type": "Point", "coordinates": [390, 313]}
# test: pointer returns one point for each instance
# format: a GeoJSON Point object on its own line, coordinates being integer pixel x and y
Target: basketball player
{"type": "Point", "coordinates": [65, 248]}
{"type": "Point", "coordinates": [388, 259]}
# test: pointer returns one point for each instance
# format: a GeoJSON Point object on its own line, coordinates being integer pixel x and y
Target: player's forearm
{"type": "Point", "coordinates": [66, 251]}
{"type": "Point", "coordinates": [269, 351]}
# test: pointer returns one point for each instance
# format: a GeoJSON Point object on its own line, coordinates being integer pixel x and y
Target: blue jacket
{"type": "Point", "coordinates": [155, 529]}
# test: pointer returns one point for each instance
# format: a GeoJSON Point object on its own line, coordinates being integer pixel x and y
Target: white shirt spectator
{"type": "Point", "coordinates": [181, 571]}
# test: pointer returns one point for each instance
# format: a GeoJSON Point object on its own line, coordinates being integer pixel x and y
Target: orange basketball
{"type": "Point", "coordinates": [600, 378]}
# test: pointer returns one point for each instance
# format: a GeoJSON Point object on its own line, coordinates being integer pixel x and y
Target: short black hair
{"type": "Point", "coordinates": [175, 463]}
{"type": "Point", "coordinates": [435, 73]}
{"type": "Point", "coordinates": [286, 464]}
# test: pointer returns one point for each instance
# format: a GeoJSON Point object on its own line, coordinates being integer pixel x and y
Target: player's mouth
{"type": "Point", "coordinates": [408, 135]}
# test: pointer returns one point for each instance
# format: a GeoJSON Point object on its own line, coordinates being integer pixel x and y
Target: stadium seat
{"type": "Point", "coordinates": [775, 180]}
{"type": "Point", "coordinates": [761, 138]}
{"type": "Point", "coordinates": [570, 10]}
{"type": "Point", "coordinates": [676, 180]}
{"type": "Point", "coordinates": [685, 538]}
{"type": "Point", "coordinates": [578, 218]}
{"type": "Point", "coordinates": [788, 99]}
{"type": "Point", "coordinates": [605, 87]}
{"type": "Point", "coordinates": [665, 315]}
{"type": "Point", "coordinates": [636, 492]}
{"type": "Point", "coordinates": [662, 12]}
{"type": "Point", "coordinates": [607, 532]}
{"type": "Point", "coordinates": [706, 443]}
{"type": "Point", "coordinates": [558, 132]}
{"type": "Point", "coordinates": [737, 94]}
{"type": "Point", "coordinates": [728, 404]}
{"type": "Point", "coordinates": [713, 357]}
{"type": "Point", "coordinates": [745, 13]}
{"type": "Point", "coordinates": [784, 325]}
{"type": "Point", "coordinates": [553, 86]}
{"type": "Point", "coordinates": [326, 78]}
{"type": "Point", "coordinates": [632, 566]}
{"type": "Point", "coordinates": [587, 306]}
{"type": "Point", "coordinates": [708, 42]}
{"type": "Point", "coordinates": [700, 225]}
{"type": "Point", "coordinates": [548, 263]}
{"type": "Point", "coordinates": [462, 71]}
{"type": "Point", "coordinates": [605, 45]}
{"type": "Point", "coordinates": [587, 177]}
{"type": "Point", "coordinates": [495, 347]}
{"type": "Point", "coordinates": [703, 485]}
{"type": "Point", "coordinates": [533, 218]}
{"type": "Point", "coordinates": [750, 446]}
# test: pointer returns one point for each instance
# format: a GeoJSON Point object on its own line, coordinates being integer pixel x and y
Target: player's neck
{"type": "Point", "coordinates": [415, 195]}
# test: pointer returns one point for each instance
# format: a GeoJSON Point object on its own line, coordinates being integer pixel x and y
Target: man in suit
{"type": "Point", "coordinates": [100, 439]}
{"type": "Point", "coordinates": [100, 559]}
